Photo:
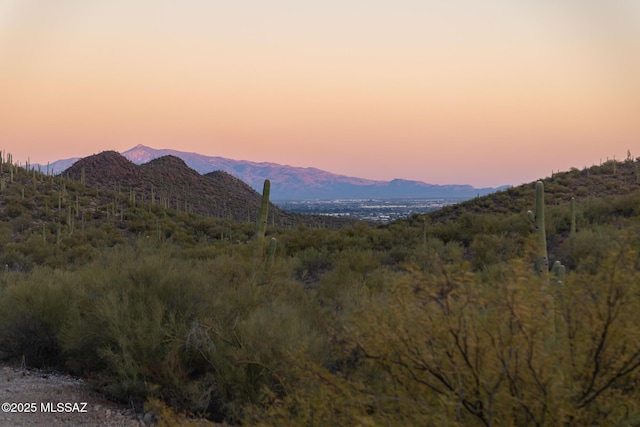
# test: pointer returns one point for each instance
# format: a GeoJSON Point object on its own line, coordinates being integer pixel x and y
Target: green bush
{"type": "Point", "coordinates": [489, 249]}
{"type": "Point", "coordinates": [206, 335]}
{"type": "Point", "coordinates": [312, 263]}
{"type": "Point", "coordinates": [33, 309]}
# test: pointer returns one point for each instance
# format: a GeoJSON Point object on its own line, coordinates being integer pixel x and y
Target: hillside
{"type": "Point", "coordinates": [606, 196]}
{"type": "Point", "coordinates": [469, 316]}
{"type": "Point", "coordinates": [168, 182]}
{"type": "Point", "coordinates": [612, 178]}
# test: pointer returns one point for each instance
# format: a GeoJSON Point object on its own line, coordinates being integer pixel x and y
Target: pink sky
{"type": "Point", "coordinates": [482, 93]}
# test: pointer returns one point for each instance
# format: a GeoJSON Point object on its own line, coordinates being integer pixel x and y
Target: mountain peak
{"type": "Point", "coordinates": [102, 167]}
{"type": "Point", "coordinates": [171, 168]}
{"type": "Point", "coordinates": [140, 154]}
{"type": "Point", "coordinates": [168, 161]}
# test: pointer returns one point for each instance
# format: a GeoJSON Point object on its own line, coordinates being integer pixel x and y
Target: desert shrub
{"type": "Point", "coordinates": [433, 255]}
{"type": "Point", "coordinates": [208, 336]}
{"type": "Point", "coordinates": [311, 263]}
{"type": "Point", "coordinates": [204, 252]}
{"type": "Point", "coordinates": [590, 247]}
{"type": "Point", "coordinates": [129, 322]}
{"type": "Point", "coordinates": [6, 232]}
{"type": "Point", "coordinates": [354, 237]}
{"type": "Point", "coordinates": [138, 226]}
{"type": "Point", "coordinates": [304, 238]}
{"type": "Point", "coordinates": [341, 287]}
{"type": "Point", "coordinates": [13, 258]}
{"type": "Point", "coordinates": [398, 254]}
{"type": "Point", "coordinates": [489, 249]}
{"type": "Point", "coordinates": [208, 227]}
{"type": "Point", "coordinates": [627, 205]}
{"type": "Point", "coordinates": [33, 309]}
{"type": "Point", "coordinates": [23, 223]}
{"type": "Point", "coordinates": [381, 239]}
{"type": "Point", "coordinates": [251, 348]}
{"type": "Point", "coordinates": [181, 237]}
{"type": "Point", "coordinates": [597, 210]}
{"type": "Point", "coordinates": [558, 219]}
{"type": "Point", "coordinates": [103, 236]}
{"type": "Point", "coordinates": [13, 208]}
{"type": "Point", "coordinates": [481, 349]}
{"type": "Point", "coordinates": [37, 250]}
{"type": "Point", "coordinates": [516, 224]}
{"type": "Point", "coordinates": [581, 191]}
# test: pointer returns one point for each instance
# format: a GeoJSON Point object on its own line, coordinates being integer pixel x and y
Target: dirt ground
{"type": "Point", "coordinates": [41, 398]}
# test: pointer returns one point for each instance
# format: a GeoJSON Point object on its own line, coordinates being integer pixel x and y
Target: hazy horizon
{"type": "Point", "coordinates": [462, 92]}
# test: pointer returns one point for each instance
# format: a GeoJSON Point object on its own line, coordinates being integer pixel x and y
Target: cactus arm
{"type": "Point", "coordinates": [271, 253]}
{"type": "Point", "coordinates": [558, 269]}
{"type": "Point", "coordinates": [531, 216]}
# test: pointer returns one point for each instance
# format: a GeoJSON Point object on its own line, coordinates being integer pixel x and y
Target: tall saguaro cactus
{"type": "Point", "coordinates": [261, 224]}
{"type": "Point", "coordinates": [542, 261]}
{"type": "Point", "coordinates": [572, 231]}
{"type": "Point", "coordinates": [424, 233]}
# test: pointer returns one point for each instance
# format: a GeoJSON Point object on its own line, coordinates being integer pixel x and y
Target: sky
{"type": "Point", "coordinates": [474, 92]}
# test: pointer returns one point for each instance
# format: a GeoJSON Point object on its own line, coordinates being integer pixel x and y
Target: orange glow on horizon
{"type": "Point", "coordinates": [380, 94]}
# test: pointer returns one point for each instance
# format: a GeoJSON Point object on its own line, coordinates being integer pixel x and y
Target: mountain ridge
{"type": "Point", "coordinates": [169, 182]}
{"type": "Point", "coordinates": [296, 183]}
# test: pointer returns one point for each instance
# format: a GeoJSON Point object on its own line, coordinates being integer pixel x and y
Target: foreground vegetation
{"type": "Point", "coordinates": [428, 321]}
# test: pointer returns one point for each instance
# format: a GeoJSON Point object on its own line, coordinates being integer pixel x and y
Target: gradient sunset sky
{"type": "Point", "coordinates": [461, 91]}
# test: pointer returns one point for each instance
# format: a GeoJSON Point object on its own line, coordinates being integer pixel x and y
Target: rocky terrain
{"type": "Point", "coordinates": [32, 398]}
{"type": "Point", "coordinates": [38, 398]}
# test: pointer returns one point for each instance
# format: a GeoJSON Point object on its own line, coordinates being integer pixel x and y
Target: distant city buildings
{"type": "Point", "coordinates": [379, 210]}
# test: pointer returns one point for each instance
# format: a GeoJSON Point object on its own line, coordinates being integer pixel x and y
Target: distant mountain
{"type": "Point", "coordinates": [58, 166]}
{"type": "Point", "coordinates": [292, 183]}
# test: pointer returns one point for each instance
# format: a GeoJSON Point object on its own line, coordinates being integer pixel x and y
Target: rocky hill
{"type": "Point", "coordinates": [608, 180]}
{"type": "Point", "coordinates": [168, 182]}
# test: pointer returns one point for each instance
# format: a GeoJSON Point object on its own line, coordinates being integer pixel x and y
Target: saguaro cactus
{"type": "Point", "coordinates": [271, 253]}
{"type": "Point", "coordinates": [558, 269]}
{"type": "Point", "coordinates": [261, 224]}
{"type": "Point", "coordinates": [542, 261]}
{"type": "Point", "coordinates": [572, 233]}
{"type": "Point", "coordinates": [424, 233]}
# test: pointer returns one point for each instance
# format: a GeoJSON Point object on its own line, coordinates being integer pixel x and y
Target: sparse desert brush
{"type": "Point", "coordinates": [490, 249]}
{"type": "Point", "coordinates": [203, 335]}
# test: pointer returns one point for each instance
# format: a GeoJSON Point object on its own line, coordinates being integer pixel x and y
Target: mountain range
{"type": "Point", "coordinates": [297, 183]}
